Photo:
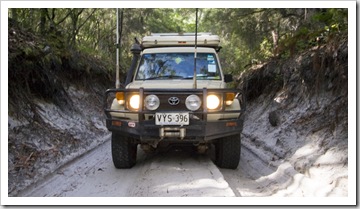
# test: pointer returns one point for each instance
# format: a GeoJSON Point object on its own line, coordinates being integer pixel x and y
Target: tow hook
{"type": "Point", "coordinates": [202, 148]}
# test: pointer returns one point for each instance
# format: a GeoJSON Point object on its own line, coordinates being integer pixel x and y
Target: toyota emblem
{"type": "Point", "coordinates": [173, 101]}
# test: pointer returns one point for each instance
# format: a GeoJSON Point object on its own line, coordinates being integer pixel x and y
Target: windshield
{"type": "Point", "coordinates": [178, 66]}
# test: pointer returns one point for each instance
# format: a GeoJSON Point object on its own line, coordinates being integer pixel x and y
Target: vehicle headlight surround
{"type": "Point", "coordinates": [212, 102]}
{"type": "Point", "coordinates": [134, 101]}
{"type": "Point", "coordinates": [152, 102]}
{"type": "Point", "coordinates": [193, 102]}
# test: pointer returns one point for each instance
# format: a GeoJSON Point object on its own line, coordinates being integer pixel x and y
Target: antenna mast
{"type": "Point", "coordinates": [194, 77]}
{"type": "Point", "coordinates": [118, 44]}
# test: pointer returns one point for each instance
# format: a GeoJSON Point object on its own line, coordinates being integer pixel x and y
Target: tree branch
{"type": "Point", "coordinates": [86, 20]}
{"type": "Point", "coordinates": [66, 16]}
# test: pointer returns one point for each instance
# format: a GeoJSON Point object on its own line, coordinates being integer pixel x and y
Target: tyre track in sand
{"type": "Point", "coordinates": [172, 173]}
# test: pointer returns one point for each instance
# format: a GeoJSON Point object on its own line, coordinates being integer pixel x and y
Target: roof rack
{"type": "Point", "coordinates": [180, 34]}
{"type": "Point", "coordinates": [181, 39]}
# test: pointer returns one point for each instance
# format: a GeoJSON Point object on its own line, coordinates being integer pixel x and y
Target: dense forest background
{"type": "Point", "coordinates": [248, 36]}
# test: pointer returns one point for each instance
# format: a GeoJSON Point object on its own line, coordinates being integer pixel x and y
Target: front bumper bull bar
{"type": "Point", "coordinates": [200, 129]}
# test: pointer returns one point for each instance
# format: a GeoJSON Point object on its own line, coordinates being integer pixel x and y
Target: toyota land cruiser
{"type": "Point", "coordinates": [175, 93]}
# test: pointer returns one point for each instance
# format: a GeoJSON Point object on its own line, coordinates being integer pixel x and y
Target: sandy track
{"type": "Point", "coordinates": [172, 173]}
{"type": "Point", "coordinates": [182, 173]}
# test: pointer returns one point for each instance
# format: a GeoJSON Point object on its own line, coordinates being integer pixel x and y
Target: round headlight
{"type": "Point", "coordinates": [152, 102]}
{"type": "Point", "coordinates": [193, 102]}
{"type": "Point", "coordinates": [212, 102]}
{"type": "Point", "coordinates": [134, 101]}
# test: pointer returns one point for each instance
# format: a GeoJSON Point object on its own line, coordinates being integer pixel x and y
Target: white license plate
{"type": "Point", "coordinates": [172, 118]}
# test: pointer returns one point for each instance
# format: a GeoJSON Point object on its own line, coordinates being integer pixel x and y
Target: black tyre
{"type": "Point", "coordinates": [123, 150]}
{"type": "Point", "coordinates": [227, 152]}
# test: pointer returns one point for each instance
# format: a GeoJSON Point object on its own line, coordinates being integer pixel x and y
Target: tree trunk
{"type": "Point", "coordinates": [14, 14]}
{"type": "Point", "coordinates": [43, 13]}
{"type": "Point", "coordinates": [275, 37]}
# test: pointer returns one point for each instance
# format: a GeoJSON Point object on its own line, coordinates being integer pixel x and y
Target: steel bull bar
{"type": "Point", "coordinates": [203, 125]}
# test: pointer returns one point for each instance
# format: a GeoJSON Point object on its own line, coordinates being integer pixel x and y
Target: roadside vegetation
{"type": "Point", "coordinates": [60, 58]}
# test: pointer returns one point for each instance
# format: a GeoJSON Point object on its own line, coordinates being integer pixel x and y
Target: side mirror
{"type": "Point", "coordinates": [228, 78]}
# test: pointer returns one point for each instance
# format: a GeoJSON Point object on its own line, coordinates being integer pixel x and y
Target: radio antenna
{"type": "Point", "coordinates": [119, 21]}
{"type": "Point", "coordinates": [196, 25]}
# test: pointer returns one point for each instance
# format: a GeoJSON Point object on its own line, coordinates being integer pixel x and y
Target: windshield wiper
{"type": "Point", "coordinates": [197, 76]}
{"type": "Point", "coordinates": [165, 77]}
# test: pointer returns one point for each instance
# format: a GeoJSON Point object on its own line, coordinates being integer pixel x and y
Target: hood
{"type": "Point", "coordinates": [176, 84]}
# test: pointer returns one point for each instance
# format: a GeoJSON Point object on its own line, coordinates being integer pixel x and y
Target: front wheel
{"type": "Point", "coordinates": [124, 151]}
{"type": "Point", "coordinates": [227, 152]}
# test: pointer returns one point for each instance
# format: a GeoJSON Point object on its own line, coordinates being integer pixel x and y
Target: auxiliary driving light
{"type": "Point", "coordinates": [193, 102]}
{"type": "Point", "coordinates": [152, 102]}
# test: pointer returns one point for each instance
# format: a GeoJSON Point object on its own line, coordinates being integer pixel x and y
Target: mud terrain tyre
{"type": "Point", "coordinates": [123, 150]}
{"type": "Point", "coordinates": [227, 152]}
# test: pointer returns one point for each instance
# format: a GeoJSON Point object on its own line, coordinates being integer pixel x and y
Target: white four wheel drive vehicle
{"type": "Point", "coordinates": [175, 94]}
